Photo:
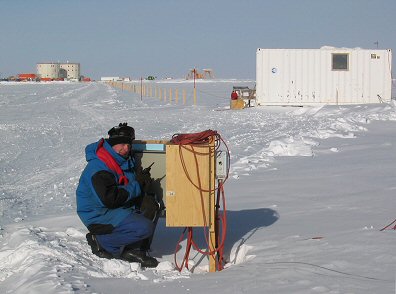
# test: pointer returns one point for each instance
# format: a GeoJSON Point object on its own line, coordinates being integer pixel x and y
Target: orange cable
{"type": "Point", "coordinates": [196, 139]}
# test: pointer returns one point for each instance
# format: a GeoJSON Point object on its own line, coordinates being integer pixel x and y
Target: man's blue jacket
{"type": "Point", "coordinates": [102, 203]}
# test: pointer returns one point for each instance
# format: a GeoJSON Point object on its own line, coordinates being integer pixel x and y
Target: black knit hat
{"type": "Point", "coordinates": [121, 134]}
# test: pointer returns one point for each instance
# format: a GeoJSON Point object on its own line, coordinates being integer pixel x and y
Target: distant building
{"type": "Point", "coordinates": [327, 75]}
{"type": "Point", "coordinates": [48, 71]}
{"type": "Point", "coordinates": [27, 77]}
{"type": "Point", "coordinates": [70, 70]}
{"type": "Point", "coordinates": [58, 71]}
{"type": "Point", "coordinates": [195, 74]}
{"type": "Point", "coordinates": [111, 79]}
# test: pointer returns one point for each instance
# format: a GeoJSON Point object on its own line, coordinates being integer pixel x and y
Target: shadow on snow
{"type": "Point", "coordinates": [241, 225]}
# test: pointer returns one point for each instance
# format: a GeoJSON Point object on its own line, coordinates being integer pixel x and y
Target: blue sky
{"type": "Point", "coordinates": [166, 38]}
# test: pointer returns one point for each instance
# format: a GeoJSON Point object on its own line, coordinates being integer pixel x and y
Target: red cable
{"type": "Point", "coordinates": [223, 219]}
{"type": "Point", "coordinates": [196, 139]}
{"type": "Point", "coordinates": [188, 247]}
{"type": "Point", "coordinates": [176, 249]}
{"type": "Point", "coordinates": [394, 228]}
{"type": "Point", "coordinates": [193, 138]}
{"type": "Point", "coordinates": [221, 241]}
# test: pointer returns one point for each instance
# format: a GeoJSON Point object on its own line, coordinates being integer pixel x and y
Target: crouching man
{"type": "Point", "coordinates": [107, 196]}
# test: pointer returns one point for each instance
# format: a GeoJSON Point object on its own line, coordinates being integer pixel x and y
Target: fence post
{"type": "Point", "coordinates": [195, 89]}
{"type": "Point", "coordinates": [141, 88]}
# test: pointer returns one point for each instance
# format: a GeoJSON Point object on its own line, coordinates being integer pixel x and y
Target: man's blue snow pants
{"type": "Point", "coordinates": [134, 228]}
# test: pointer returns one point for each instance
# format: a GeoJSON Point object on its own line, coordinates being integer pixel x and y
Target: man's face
{"type": "Point", "coordinates": [122, 149]}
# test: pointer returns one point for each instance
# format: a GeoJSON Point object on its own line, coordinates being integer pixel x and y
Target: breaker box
{"type": "Point", "coordinates": [222, 165]}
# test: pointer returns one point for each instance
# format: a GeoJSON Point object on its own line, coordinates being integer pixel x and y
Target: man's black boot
{"type": "Point", "coordinates": [95, 247]}
{"type": "Point", "coordinates": [135, 255]}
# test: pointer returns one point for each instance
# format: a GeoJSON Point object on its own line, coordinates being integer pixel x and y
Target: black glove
{"type": "Point", "coordinates": [143, 177]}
{"type": "Point", "coordinates": [136, 201]}
{"type": "Point", "coordinates": [150, 207]}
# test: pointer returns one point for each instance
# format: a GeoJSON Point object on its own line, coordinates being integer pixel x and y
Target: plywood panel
{"type": "Point", "coordinates": [189, 170]}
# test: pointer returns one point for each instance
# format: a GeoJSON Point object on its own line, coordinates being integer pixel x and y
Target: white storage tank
{"type": "Point", "coordinates": [71, 70]}
{"type": "Point", "coordinates": [48, 70]}
{"type": "Point", "coordinates": [323, 76]}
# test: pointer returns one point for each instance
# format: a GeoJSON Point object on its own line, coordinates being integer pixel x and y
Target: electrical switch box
{"type": "Point", "coordinates": [221, 164]}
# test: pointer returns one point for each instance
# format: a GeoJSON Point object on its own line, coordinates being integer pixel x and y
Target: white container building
{"type": "Point", "coordinates": [323, 76]}
{"type": "Point", "coordinates": [48, 70]}
{"type": "Point", "coordinates": [110, 79]}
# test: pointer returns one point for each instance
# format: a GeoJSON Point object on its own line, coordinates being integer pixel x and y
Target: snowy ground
{"type": "Point", "coordinates": [309, 190]}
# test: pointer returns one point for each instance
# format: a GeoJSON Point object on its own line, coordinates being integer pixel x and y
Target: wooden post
{"type": "Point", "coordinates": [212, 206]}
{"type": "Point", "coordinates": [164, 95]}
{"type": "Point", "coordinates": [141, 88]}
{"type": "Point", "coordinates": [176, 95]}
{"type": "Point", "coordinates": [170, 95]}
{"type": "Point", "coordinates": [184, 96]}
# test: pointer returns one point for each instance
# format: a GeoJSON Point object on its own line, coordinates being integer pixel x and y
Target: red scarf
{"type": "Point", "coordinates": [110, 162]}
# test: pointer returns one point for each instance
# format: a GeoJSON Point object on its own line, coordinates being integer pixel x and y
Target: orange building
{"type": "Point", "coordinates": [27, 77]}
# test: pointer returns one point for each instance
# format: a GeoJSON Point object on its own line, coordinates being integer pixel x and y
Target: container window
{"type": "Point", "coordinates": [340, 61]}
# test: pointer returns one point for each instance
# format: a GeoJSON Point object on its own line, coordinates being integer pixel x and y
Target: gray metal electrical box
{"type": "Point", "coordinates": [221, 164]}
